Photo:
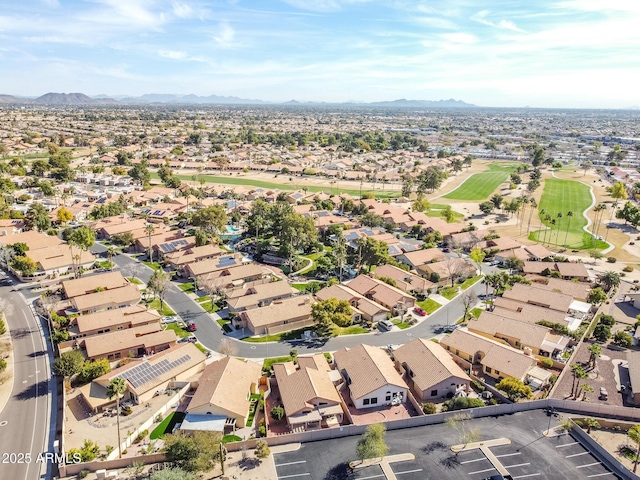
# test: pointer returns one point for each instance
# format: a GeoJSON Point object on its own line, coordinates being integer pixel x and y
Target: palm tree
{"type": "Point", "coordinates": [586, 388]}
{"type": "Point", "coordinates": [533, 205]}
{"type": "Point", "coordinates": [115, 389]}
{"type": "Point", "coordinates": [558, 217]}
{"type": "Point", "coordinates": [600, 208]}
{"type": "Point", "coordinates": [609, 280]}
{"type": "Point", "coordinates": [634, 435]}
{"type": "Point", "coordinates": [110, 253]}
{"type": "Point", "coordinates": [149, 229]}
{"type": "Point", "coordinates": [542, 214]}
{"type": "Point", "coordinates": [525, 202]}
{"type": "Point", "coordinates": [578, 374]}
{"type": "Point", "coordinates": [547, 219]}
{"type": "Point", "coordinates": [569, 215]}
{"type": "Point", "coordinates": [594, 350]}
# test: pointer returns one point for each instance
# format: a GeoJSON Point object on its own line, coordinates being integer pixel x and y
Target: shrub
{"type": "Point", "coordinates": [328, 356]}
{"type": "Point", "coordinates": [553, 379]}
{"type": "Point", "coordinates": [126, 411]}
{"type": "Point", "coordinates": [612, 259]}
{"type": "Point", "coordinates": [3, 365]}
{"type": "Point", "coordinates": [607, 320]}
{"type": "Point", "coordinates": [546, 363]}
{"type": "Point", "coordinates": [141, 436]}
{"type": "Point", "coordinates": [83, 473]}
{"type": "Point", "coordinates": [602, 332]}
{"type": "Point", "coordinates": [3, 327]}
{"type": "Point", "coordinates": [277, 412]}
{"type": "Point", "coordinates": [627, 269]}
{"type": "Point", "coordinates": [623, 339]}
{"type": "Point", "coordinates": [158, 418]}
{"type": "Point", "coordinates": [461, 403]}
{"type": "Point", "coordinates": [429, 408]}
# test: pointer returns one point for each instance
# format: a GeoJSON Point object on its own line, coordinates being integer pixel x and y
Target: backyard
{"type": "Point", "coordinates": [480, 185]}
{"type": "Point", "coordinates": [558, 199]}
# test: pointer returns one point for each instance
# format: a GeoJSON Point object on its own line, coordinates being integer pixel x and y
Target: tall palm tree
{"type": "Point", "coordinates": [594, 352]}
{"type": "Point", "coordinates": [149, 229]}
{"type": "Point", "coordinates": [558, 216]}
{"type": "Point", "coordinates": [547, 219]}
{"type": "Point", "coordinates": [111, 251]}
{"type": "Point", "coordinates": [600, 208]}
{"type": "Point", "coordinates": [525, 201]}
{"type": "Point", "coordinates": [542, 214]}
{"type": "Point", "coordinates": [566, 233]}
{"type": "Point", "coordinates": [115, 389]}
{"type": "Point", "coordinates": [533, 205]}
{"type": "Point", "coordinates": [609, 280]}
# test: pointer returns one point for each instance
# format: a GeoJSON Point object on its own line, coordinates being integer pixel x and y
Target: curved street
{"type": "Point", "coordinates": [210, 334]}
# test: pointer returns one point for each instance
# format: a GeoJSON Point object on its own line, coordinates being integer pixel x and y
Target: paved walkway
{"type": "Point", "coordinates": [439, 298]}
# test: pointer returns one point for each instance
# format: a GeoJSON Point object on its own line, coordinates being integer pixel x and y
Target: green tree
{"type": "Point", "coordinates": [37, 218]}
{"type": "Point", "coordinates": [594, 352]}
{"type": "Point", "coordinates": [158, 284]}
{"type": "Point", "coordinates": [68, 364]}
{"type": "Point", "coordinates": [82, 238]}
{"type": "Point", "coordinates": [634, 435]}
{"type": "Point", "coordinates": [93, 369]}
{"type": "Point", "coordinates": [623, 339]}
{"type": "Point", "coordinates": [602, 332]}
{"type": "Point", "coordinates": [462, 403]}
{"type": "Point", "coordinates": [514, 264]}
{"type": "Point", "coordinates": [330, 312]}
{"type": "Point", "coordinates": [64, 216]}
{"type": "Point", "coordinates": [193, 453]}
{"type": "Point", "coordinates": [514, 388]}
{"type": "Point", "coordinates": [448, 214]}
{"type": "Point", "coordinates": [296, 232]}
{"type": "Point", "coordinates": [591, 423]}
{"type": "Point", "coordinates": [24, 265]}
{"type": "Point", "coordinates": [596, 296]}
{"type": "Point", "coordinates": [407, 185]}
{"type": "Point", "coordinates": [277, 412]}
{"type": "Point", "coordinates": [211, 219]}
{"type": "Point", "coordinates": [116, 388]}
{"type": "Point", "coordinates": [173, 474]}
{"type": "Point", "coordinates": [201, 238]}
{"type": "Point", "coordinates": [477, 256]}
{"type": "Point", "coordinates": [372, 252]}
{"type": "Point", "coordinates": [619, 191]}
{"type": "Point", "coordinates": [140, 173]}
{"type": "Point", "coordinates": [262, 449]}
{"type": "Point", "coordinates": [487, 207]}
{"type": "Point", "coordinates": [496, 200]}
{"type": "Point", "coordinates": [372, 444]}
{"type": "Point", "coordinates": [421, 204]}
{"type": "Point", "coordinates": [609, 280]}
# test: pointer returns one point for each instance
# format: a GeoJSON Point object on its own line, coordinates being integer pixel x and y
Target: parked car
{"type": "Point", "coordinates": [385, 325]}
{"type": "Point", "coordinates": [450, 328]}
{"type": "Point", "coordinates": [191, 326]}
{"type": "Point", "coordinates": [189, 339]}
{"type": "Point", "coordinates": [169, 319]}
{"type": "Point", "coordinates": [419, 311]}
{"type": "Point", "coordinates": [604, 395]}
{"type": "Point", "coordinates": [446, 250]}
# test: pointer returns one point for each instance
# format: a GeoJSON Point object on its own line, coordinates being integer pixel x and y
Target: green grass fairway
{"type": "Point", "coordinates": [480, 185]}
{"type": "Point", "coordinates": [562, 196]}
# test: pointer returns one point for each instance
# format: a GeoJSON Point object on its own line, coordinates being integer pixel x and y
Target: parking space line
{"type": "Point", "coordinates": [471, 461]}
{"type": "Point", "coordinates": [589, 465]}
{"type": "Point", "coordinates": [526, 476]}
{"type": "Point", "coordinates": [482, 471]}
{"type": "Point", "coordinates": [296, 475]}
{"type": "Point", "coordinates": [291, 463]}
{"type": "Point", "coordinates": [577, 454]}
{"type": "Point", "coordinates": [372, 476]}
{"type": "Point", "coordinates": [518, 465]}
{"type": "Point", "coordinates": [600, 475]}
{"type": "Point", "coordinates": [508, 455]}
{"type": "Point", "coordinates": [567, 444]}
{"type": "Point", "coordinates": [408, 471]}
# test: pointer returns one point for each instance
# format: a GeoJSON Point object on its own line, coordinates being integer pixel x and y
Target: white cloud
{"type": "Point", "coordinates": [459, 38]}
{"type": "Point", "coordinates": [481, 17]}
{"type": "Point", "coordinates": [225, 35]}
{"type": "Point", "coordinates": [172, 54]}
{"type": "Point", "coordinates": [51, 3]}
{"type": "Point", "coordinates": [322, 5]}
{"type": "Point", "coordinates": [181, 9]}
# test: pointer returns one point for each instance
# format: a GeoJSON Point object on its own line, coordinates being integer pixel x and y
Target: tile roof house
{"type": "Point", "coordinates": [132, 342]}
{"type": "Point", "coordinates": [363, 308]}
{"type": "Point", "coordinates": [224, 389]}
{"type": "Point", "coordinates": [91, 283]}
{"type": "Point", "coordinates": [260, 295]}
{"type": "Point", "coordinates": [370, 376]}
{"type": "Point", "coordinates": [536, 296]}
{"type": "Point", "coordinates": [231, 277]}
{"type": "Point", "coordinates": [445, 270]}
{"type": "Point", "coordinates": [180, 258]}
{"type": "Point", "coordinates": [389, 297]}
{"type": "Point", "coordinates": [578, 290]}
{"type": "Point", "coordinates": [420, 257]}
{"type": "Point", "coordinates": [429, 370]}
{"type": "Point", "coordinates": [203, 267]}
{"type": "Point", "coordinates": [145, 377]}
{"type": "Point", "coordinates": [537, 251]}
{"type": "Point", "coordinates": [526, 312]}
{"type": "Point", "coordinates": [279, 316]}
{"type": "Point", "coordinates": [112, 320]}
{"type": "Point", "coordinates": [56, 260]}
{"type": "Point", "coordinates": [107, 299]}
{"type": "Point", "coordinates": [308, 394]}
{"type": "Point", "coordinates": [497, 360]}
{"type": "Point", "coordinates": [405, 281]}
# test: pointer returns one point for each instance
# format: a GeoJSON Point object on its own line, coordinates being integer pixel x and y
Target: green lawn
{"type": "Point", "coordinates": [135, 280]}
{"type": "Point", "coordinates": [187, 287]}
{"type": "Point", "coordinates": [449, 292]}
{"type": "Point", "coordinates": [203, 299]}
{"type": "Point", "coordinates": [436, 211]}
{"type": "Point", "coordinates": [231, 438]}
{"type": "Point", "coordinates": [209, 307]}
{"type": "Point", "coordinates": [201, 347]}
{"type": "Point", "coordinates": [154, 265]}
{"type": "Point", "coordinates": [429, 305]}
{"type": "Point", "coordinates": [303, 286]}
{"type": "Point", "coordinates": [470, 281]}
{"type": "Point", "coordinates": [254, 398]}
{"type": "Point", "coordinates": [166, 311]}
{"type": "Point", "coordinates": [352, 330]}
{"type": "Point", "coordinates": [167, 425]}
{"type": "Point", "coordinates": [239, 180]}
{"type": "Point", "coordinates": [268, 362]}
{"type": "Point", "coordinates": [180, 332]}
{"type": "Point", "coordinates": [480, 185]}
{"type": "Point", "coordinates": [401, 324]}
{"type": "Point", "coordinates": [476, 312]}
{"type": "Point", "coordinates": [563, 196]}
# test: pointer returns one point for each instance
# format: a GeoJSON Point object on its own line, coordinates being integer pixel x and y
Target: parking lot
{"type": "Point", "coordinates": [529, 455]}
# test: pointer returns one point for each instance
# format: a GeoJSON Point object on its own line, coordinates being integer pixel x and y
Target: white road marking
{"type": "Point", "coordinates": [599, 475]}
{"type": "Point", "coordinates": [297, 475]}
{"type": "Point", "coordinates": [482, 471]}
{"type": "Point", "coordinates": [577, 454]}
{"type": "Point", "coordinates": [529, 475]}
{"type": "Point", "coordinates": [291, 463]}
{"type": "Point", "coordinates": [589, 465]}
{"type": "Point", "coordinates": [408, 471]}
{"type": "Point", "coordinates": [35, 413]}
{"type": "Point", "coordinates": [567, 445]}
{"type": "Point", "coordinates": [518, 465]}
{"type": "Point", "coordinates": [471, 461]}
{"type": "Point", "coordinates": [508, 455]}
{"type": "Point", "coordinates": [366, 478]}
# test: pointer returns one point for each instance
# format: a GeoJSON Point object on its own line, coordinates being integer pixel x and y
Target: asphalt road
{"type": "Point", "coordinates": [27, 422]}
{"type": "Point", "coordinates": [210, 334]}
{"type": "Point", "coordinates": [530, 455]}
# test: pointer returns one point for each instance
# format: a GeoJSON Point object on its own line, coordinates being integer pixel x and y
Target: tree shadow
{"type": "Point", "coordinates": [451, 461]}
{"type": "Point", "coordinates": [36, 390]}
{"type": "Point", "coordinates": [342, 471]}
{"type": "Point", "coordinates": [433, 446]}
{"type": "Point", "coordinates": [37, 354]}
{"type": "Point", "coordinates": [20, 333]}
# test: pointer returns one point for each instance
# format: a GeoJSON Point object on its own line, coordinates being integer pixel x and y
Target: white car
{"type": "Point", "coordinates": [385, 325]}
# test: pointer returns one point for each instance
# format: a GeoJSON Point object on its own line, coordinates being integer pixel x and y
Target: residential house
{"type": "Point", "coordinates": [429, 370]}
{"type": "Point", "coordinates": [466, 240]}
{"type": "Point", "coordinates": [279, 316]}
{"type": "Point", "coordinates": [633, 365]}
{"type": "Point", "coordinates": [537, 252]}
{"type": "Point", "coordinates": [450, 269]}
{"type": "Point", "coordinates": [421, 257]}
{"type": "Point", "coordinates": [58, 260]}
{"type": "Point", "coordinates": [146, 377]}
{"type": "Point", "coordinates": [92, 283]}
{"type": "Point", "coordinates": [370, 376]}
{"type": "Point", "coordinates": [224, 390]}
{"type": "Point", "coordinates": [308, 394]}
{"type": "Point", "coordinates": [232, 277]}
{"type": "Point", "coordinates": [405, 281]}
{"type": "Point", "coordinates": [112, 320]}
{"type": "Point", "coordinates": [117, 225]}
{"type": "Point", "coordinates": [364, 309]}
{"type": "Point", "coordinates": [107, 299]}
{"type": "Point", "coordinates": [578, 290]}
{"type": "Point", "coordinates": [179, 258]}
{"type": "Point", "coordinates": [389, 297]}
{"type": "Point", "coordinates": [255, 296]}
{"type": "Point", "coordinates": [526, 312]}
{"type": "Point", "coordinates": [494, 359]}
{"type": "Point", "coordinates": [129, 343]}
{"type": "Point", "coordinates": [210, 265]}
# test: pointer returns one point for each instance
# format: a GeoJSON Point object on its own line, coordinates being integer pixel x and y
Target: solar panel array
{"type": "Point", "coordinates": [159, 212]}
{"type": "Point", "coordinates": [227, 262]}
{"type": "Point", "coordinates": [409, 247]}
{"type": "Point", "coordinates": [322, 213]}
{"type": "Point", "coordinates": [173, 246]}
{"type": "Point", "coordinates": [145, 372]}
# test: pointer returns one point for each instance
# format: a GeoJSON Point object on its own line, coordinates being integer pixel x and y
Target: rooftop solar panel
{"type": "Point", "coordinates": [145, 372]}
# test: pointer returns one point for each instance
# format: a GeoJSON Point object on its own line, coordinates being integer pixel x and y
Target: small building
{"type": "Point", "coordinates": [279, 316]}
{"type": "Point", "coordinates": [364, 309]}
{"type": "Point", "coordinates": [129, 343]}
{"type": "Point", "coordinates": [255, 296]}
{"type": "Point", "coordinates": [633, 363]}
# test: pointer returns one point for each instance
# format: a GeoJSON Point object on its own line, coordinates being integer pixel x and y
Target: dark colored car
{"type": "Point", "coordinates": [419, 311]}
{"type": "Point", "coordinates": [446, 250]}
{"type": "Point", "coordinates": [191, 326]}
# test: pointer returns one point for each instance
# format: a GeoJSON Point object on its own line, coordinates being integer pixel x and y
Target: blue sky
{"type": "Point", "coordinates": [571, 53]}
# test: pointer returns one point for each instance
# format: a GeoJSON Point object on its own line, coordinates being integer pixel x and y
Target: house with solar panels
{"type": "Point", "coordinates": [146, 377]}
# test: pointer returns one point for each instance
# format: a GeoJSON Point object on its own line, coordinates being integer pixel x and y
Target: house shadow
{"type": "Point", "coordinates": [33, 391]}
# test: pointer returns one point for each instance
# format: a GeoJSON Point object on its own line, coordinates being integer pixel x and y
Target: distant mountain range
{"type": "Point", "coordinates": [163, 98]}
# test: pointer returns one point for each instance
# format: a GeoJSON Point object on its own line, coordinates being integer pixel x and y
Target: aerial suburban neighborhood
{"type": "Point", "coordinates": [233, 280]}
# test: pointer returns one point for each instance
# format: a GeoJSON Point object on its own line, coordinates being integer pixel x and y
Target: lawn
{"type": "Point", "coordinates": [201, 347]}
{"type": "Point", "coordinates": [187, 287]}
{"type": "Point", "coordinates": [429, 305]}
{"type": "Point", "coordinates": [352, 330]}
{"type": "Point", "coordinates": [268, 362]}
{"type": "Point", "coordinates": [436, 211]}
{"type": "Point", "coordinates": [254, 400]}
{"type": "Point", "coordinates": [470, 281]}
{"type": "Point", "coordinates": [203, 299]}
{"type": "Point", "coordinates": [476, 312]}
{"type": "Point", "coordinates": [238, 180]}
{"type": "Point", "coordinates": [166, 310]}
{"type": "Point", "coordinates": [180, 332]}
{"type": "Point", "coordinates": [231, 438]}
{"type": "Point", "coordinates": [401, 324]}
{"type": "Point", "coordinates": [449, 292]}
{"type": "Point", "coordinates": [560, 197]}
{"type": "Point", "coordinates": [154, 265]}
{"type": "Point", "coordinates": [167, 425]}
{"type": "Point", "coordinates": [480, 185]}
{"type": "Point", "coordinates": [303, 286]}
{"type": "Point", "coordinates": [209, 307]}
{"type": "Point", "coordinates": [135, 280]}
